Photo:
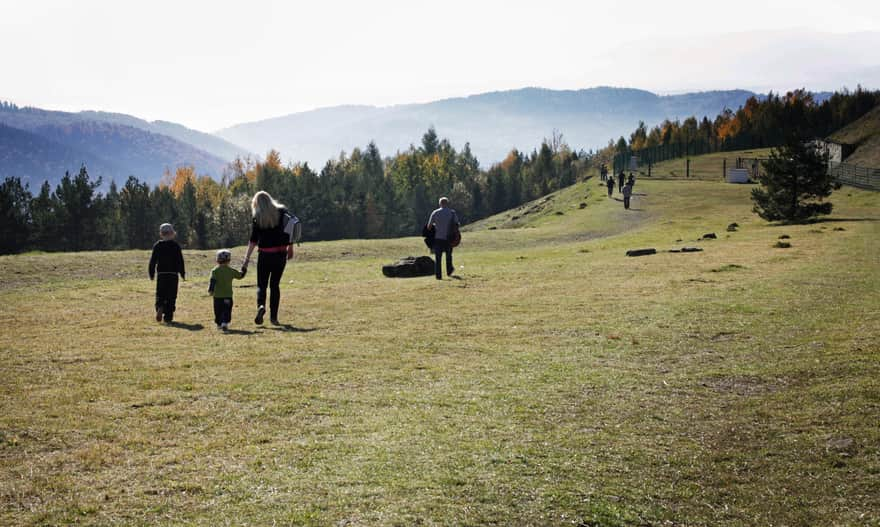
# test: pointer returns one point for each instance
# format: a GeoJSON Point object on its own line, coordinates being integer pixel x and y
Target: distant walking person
{"type": "Point", "coordinates": [166, 263]}
{"type": "Point", "coordinates": [627, 193]}
{"type": "Point", "coordinates": [631, 181]}
{"type": "Point", "coordinates": [610, 184]}
{"type": "Point", "coordinates": [275, 248]}
{"type": "Point", "coordinates": [620, 181]}
{"type": "Point", "coordinates": [444, 222]}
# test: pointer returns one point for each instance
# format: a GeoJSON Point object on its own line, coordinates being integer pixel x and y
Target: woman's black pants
{"type": "Point", "coordinates": [270, 267]}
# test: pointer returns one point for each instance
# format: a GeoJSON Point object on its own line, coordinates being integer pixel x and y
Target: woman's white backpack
{"type": "Point", "coordinates": [293, 227]}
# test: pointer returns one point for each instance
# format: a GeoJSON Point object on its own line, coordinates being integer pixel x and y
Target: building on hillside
{"type": "Point", "coordinates": [837, 151]}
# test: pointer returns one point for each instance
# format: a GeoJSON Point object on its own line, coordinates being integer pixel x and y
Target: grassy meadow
{"type": "Point", "coordinates": [708, 167]}
{"type": "Point", "coordinates": [553, 382]}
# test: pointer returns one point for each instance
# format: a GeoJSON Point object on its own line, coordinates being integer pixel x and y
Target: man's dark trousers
{"type": "Point", "coordinates": [441, 246]}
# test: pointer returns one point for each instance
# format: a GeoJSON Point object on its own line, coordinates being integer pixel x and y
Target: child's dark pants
{"type": "Point", "coordinates": [222, 310]}
{"type": "Point", "coordinates": [166, 294]}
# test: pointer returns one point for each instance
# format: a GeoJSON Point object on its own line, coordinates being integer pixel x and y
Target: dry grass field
{"type": "Point", "coordinates": [553, 382]}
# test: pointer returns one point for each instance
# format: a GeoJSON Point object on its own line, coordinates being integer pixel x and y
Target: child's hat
{"type": "Point", "coordinates": [166, 228]}
{"type": "Point", "coordinates": [223, 255]}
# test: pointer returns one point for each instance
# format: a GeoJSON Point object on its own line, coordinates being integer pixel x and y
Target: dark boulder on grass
{"type": "Point", "coordinates": [410, 267]}
{"type": "Point", "coordinates": [710, 236]}
{"type": "Point", "coordinates": [640, 252]}
{"type": "Point", "coordinates": [732, 227]}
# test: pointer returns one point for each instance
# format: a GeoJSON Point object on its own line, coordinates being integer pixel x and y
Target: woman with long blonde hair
{"type": "Point", "coordinates": [275, 248]}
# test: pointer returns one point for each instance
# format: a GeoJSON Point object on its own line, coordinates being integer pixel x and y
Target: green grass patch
{"type": "Point", "coordinates": [557, 382]}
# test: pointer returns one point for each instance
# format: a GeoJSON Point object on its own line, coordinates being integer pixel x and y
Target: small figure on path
{"type": "Point", "coordinates": [632, 180]}
{"type": "Point", "coordinates": [610, 185]}
{"type": "Point", "coordinates": [166, 263]}
{"type": "Point", "coordinates": [627, 193]}
{"type": "Point", "coordinates": [603, 172]}
{"type": "Point", "coordinates": [620, 180]}
{"type": "Point", "coordinates": [444, 222]}
{"type": "Point", "coordinates": [221, 288]}
{"type": "Point", "coordinates": [275, 248]}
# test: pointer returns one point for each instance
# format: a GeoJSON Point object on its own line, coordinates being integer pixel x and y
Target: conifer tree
{"type": "Point", "coordinates": [794, 184]}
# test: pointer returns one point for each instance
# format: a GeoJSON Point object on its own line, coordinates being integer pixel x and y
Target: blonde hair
{"type": "Point", "coordinates": [265, 210]}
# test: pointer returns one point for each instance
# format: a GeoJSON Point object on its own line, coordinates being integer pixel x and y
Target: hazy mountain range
{"type": "Point", "coordinates": [39, 145]}
{"type": "Point", "coordinates": [493, 123]}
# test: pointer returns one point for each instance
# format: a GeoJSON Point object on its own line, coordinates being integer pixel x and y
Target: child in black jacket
{"type": "Point", "coordinates": [166, 263]}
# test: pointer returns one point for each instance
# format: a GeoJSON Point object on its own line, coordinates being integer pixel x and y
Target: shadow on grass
{"type": "Point", "coordinates": [188, 327]}
{"type": "Point", "coordinates": [239, 332]}
{"type": "Point", "coordinates": [813, 221]}
{"type": "Point", "coordinates": [834, 220]}
{"type": "Point", "coordinates": [292, 329]}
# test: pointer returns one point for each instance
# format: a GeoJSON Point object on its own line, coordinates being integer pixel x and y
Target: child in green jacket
{"type": "Point", "coordinates": [221, 288]}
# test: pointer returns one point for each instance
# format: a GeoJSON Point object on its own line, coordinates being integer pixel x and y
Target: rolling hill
{"type": "Point", "coordinates": [493, 123]}
{"type": "Point", "coordinates": [39, 145]}
{"type": "Point", "coordinates": [207, 142]}
{"type": "Point", "coordinates": [864, 134]}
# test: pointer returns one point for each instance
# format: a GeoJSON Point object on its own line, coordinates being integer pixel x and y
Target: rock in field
{"type": "Point", "coordinates": [409, 267]}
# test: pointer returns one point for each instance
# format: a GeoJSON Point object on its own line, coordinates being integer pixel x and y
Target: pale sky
{"type": "Point", "coordinates": [211, 64]}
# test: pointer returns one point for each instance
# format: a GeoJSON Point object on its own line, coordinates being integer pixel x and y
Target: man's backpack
{"type": "Point", "coordinates": [293, 227]}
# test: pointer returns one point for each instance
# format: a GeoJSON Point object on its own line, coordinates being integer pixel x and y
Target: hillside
{"type": "Point", "coordinates": [708, 167]}
{"type": "Point", "coordinates": [209, 143]}
{"type": "Point", "coordinates": [562, 383]}
{"type": "Point", "coordinates": [493, 123]}
{"type": "Point", "coordinates": [110, 149]}
{"type": "Point", "coordinates": [35, 158]}
{"type": "Point", "coordinates": [864, 133]}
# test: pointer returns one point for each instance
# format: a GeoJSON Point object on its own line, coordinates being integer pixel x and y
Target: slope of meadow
{"type": "Point", "coordinates": [864, 133]}
{"type": "Point", "coordinates": [708, 167]}
{"type": "Point", "coordinates": [555, 382]}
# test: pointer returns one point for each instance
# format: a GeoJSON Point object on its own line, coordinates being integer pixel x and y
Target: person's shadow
{"type": "Point", "coordinates": [188, 327]}
{"type": "Point", "coordinates": [291, 328]}
{"type": "Point", "coordinates": [239, 332]}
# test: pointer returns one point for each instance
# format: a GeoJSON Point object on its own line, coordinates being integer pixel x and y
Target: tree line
{"type": "Point", "coordinates": [357, 195]}
{"type": "Point", "coordinates": [759, 123]}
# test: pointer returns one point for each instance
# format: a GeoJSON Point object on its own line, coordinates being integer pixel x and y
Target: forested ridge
{"type": "Point", "coordinates": [759, 123]}
{"type": "Point", "coordinates": [366, 195]}
{"type": "Point", "coordinates": [357, 195]}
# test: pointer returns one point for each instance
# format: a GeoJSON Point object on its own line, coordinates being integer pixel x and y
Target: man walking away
{"type": "Point", "coordinates": [627, 193]}
{"type": "Point", "coordinates": [620, 181]}
{"type": "Point", "coordinates": [610, 185]}
{"type": "Point", "coordinates": [444, 221]}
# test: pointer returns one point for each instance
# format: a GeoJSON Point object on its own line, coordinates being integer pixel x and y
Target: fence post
{"type": "Point", "coordinates": [724, 169]}
{"type": "Point", "coordinates": [688, 169]}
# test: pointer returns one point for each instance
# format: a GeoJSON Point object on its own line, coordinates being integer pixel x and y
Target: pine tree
{"type": "Point", "coordinates": [15, 203]}
{"type": "Point", "coordinates": [794, 184]}
{"type": "Point", "coordinates": [78, 210]}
